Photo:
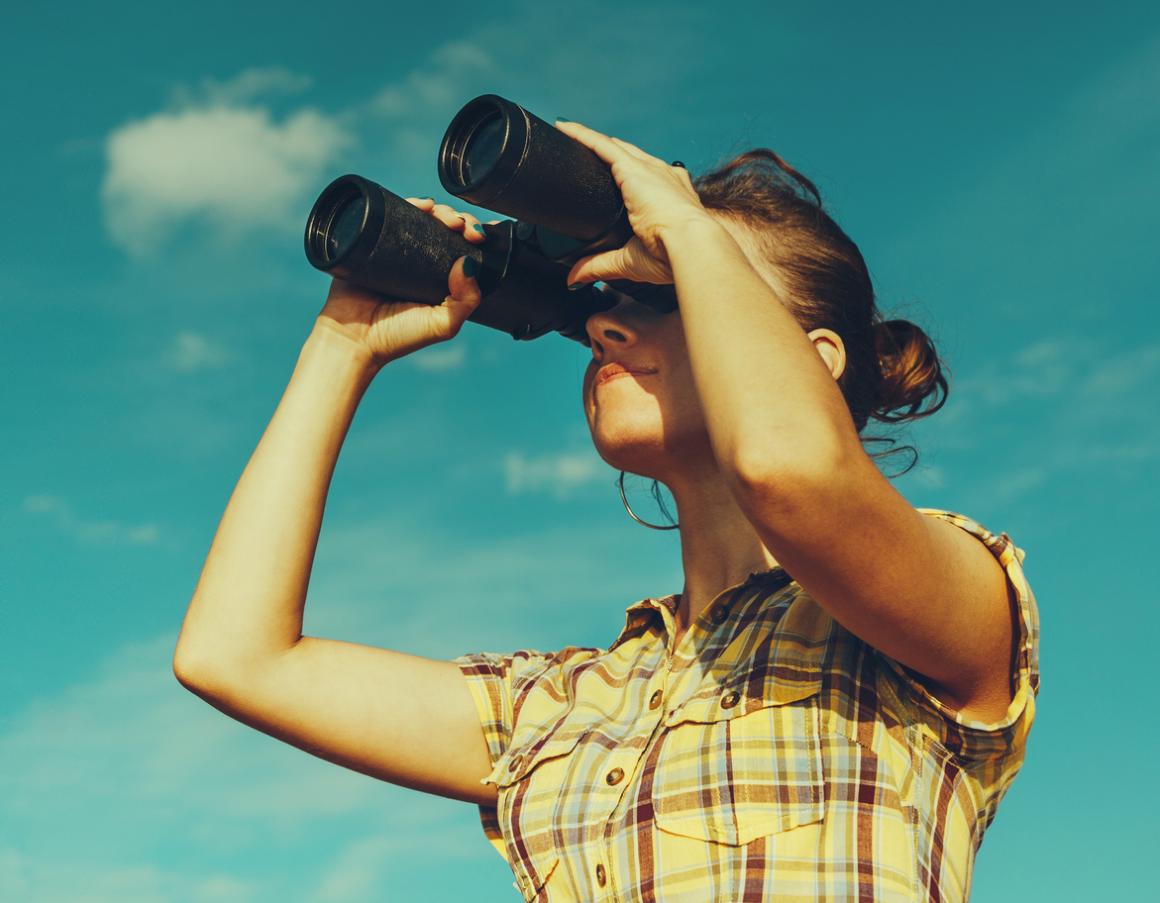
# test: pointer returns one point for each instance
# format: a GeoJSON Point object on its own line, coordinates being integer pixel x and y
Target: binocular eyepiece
{"type": "Point", "coordinates": [497, 155]}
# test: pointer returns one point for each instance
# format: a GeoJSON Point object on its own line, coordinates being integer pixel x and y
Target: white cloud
{"type": "Point", "coordinates": [437, 86]}
{"type": "Point", "coordinates": [225, 161]}
{"type": "Point", "coordinates": [96, 532]}
{"type": "Point", "coordinates": [191, 351]}
{"type": "Point", "coordinates": [441, 357]}
{"type": "Point", "coordinates": [560, 473]}
{"type": "Point", "coordinates": [245, 87]}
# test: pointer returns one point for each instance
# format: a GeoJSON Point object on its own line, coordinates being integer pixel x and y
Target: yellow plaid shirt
{"type": "Point", "coordinates": [772, 756]}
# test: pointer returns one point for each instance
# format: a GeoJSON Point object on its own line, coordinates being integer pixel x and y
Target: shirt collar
{"type": "Point", "coordinates": [642, 615]}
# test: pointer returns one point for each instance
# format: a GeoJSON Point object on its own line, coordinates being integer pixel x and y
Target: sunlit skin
{"type": "Point", "coordinates": [638, 393]}
{"type": "Point", "coordinates": [728, 402]}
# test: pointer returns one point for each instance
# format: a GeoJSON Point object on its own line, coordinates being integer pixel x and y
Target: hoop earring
{"type": "Point", "coordinates": [627, 508]}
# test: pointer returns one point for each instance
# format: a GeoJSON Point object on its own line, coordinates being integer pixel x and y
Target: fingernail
{"type": "Point", "coordinates": [469, 267]}
{"type": "Point", "coordinates": [478, 228]}
{"type": "Point", "coordinates": [572, 286]}
{"type": "Point", "coordinates": [562, 119]}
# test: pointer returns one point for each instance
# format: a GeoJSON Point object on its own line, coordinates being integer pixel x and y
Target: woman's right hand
{"type": "Point", "coordinates": [381, 330]}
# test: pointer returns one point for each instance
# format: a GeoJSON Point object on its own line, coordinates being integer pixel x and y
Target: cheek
{"type": "Point", "coordinates": [586, 392]}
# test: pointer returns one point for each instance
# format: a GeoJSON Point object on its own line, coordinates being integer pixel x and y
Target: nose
{"type": "Point", "coordinates": [610, 328]}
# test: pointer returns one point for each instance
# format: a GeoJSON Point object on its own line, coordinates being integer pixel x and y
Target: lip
{"type": "Point", "coordinates": [612, 371]}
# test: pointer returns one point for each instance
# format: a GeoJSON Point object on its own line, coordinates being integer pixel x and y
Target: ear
{"type": "Point", "coordinates": [832, 349]}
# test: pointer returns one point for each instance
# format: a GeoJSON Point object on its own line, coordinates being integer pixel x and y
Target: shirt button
{"type": "Point", "coordinates": [655, 700]}
{"type": "Point", "coordinates": [514, 764]}
{"type": "Point", "coordinates": [730, 699]}
{"type": "Point", "coordinates": [601, 878]}
{"type": "Point", "coordinates": [718, 613]}
{"type": "Point", "coordinates": [614, 777]}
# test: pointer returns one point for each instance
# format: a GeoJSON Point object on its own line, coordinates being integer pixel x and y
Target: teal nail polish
{"type": "Point", "coordinates": [478, 228]}
{"type": "Point", "coordinates": [573, 286]}
{"type": "Point", "coordinates": [562, 119]}
{"type": "Point", "coordinates": [469, 267]}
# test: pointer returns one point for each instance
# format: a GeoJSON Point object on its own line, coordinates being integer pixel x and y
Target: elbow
{"type": "Point", "coordinates": [202, 672]}
{"type": "Point", "coordinates": [190, 668]}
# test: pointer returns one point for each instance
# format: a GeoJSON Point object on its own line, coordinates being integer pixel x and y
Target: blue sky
{"type": "Point", "coordinates": [999, 165]}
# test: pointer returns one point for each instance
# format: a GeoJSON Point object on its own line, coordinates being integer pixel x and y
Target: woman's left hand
{"type": "Point", "coordinates": [658, 197]}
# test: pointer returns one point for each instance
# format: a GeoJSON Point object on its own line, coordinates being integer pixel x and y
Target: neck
{"type": "Point", "coordinates": [719, 547]}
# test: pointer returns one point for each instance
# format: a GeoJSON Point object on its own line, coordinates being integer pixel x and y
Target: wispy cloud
{"type": "Point", "coordinates": [171, 782]}
{"type": "Point", "coordinates": [222, 159]}
{"type": "Point", "coordinates": [1062, 406]}
{"type": "Point", "coordinates": [243, 88]}
{"type": "Point", "coordinates": [436, 86]}
{"type": "Point", "coordinates": [157, 769]}
{"type": "Point", "coordinates": [191, 351]}
{"type": "Point", "coordinates": [441, 357]}
{"type": "Point", "coordinates": [86, 530]}
{"type": "Point", "coordinates": [557, 473]}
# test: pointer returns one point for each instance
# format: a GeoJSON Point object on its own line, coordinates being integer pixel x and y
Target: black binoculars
{"type": "Point", "coordinates": [497, 155]}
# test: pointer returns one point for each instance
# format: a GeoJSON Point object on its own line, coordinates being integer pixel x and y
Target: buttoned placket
{"type": "Point", "coordinates": [653, 721]}
{"type": "Point", "coordinates": [620, 771]}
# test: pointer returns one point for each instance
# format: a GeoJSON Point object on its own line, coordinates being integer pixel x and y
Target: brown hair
{"type": "Point", "coordinates": [893, 372]}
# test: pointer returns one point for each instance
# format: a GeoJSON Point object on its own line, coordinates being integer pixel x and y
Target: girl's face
{"type": "Point", "coordinates": [639, 397]}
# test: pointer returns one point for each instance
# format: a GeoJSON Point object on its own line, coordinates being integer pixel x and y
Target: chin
{"type": "Point", "coordinates": [625, 446]}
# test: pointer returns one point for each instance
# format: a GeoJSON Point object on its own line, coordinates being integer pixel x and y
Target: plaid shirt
{"type": "Point", "coordinates": [772, 756]}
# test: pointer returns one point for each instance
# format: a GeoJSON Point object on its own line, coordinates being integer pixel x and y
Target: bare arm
{"type": "Point", "coordinates": [404, 719]}
{"type": "Point", "coordinates": [921, 590]}
{"type": "Point", "coordinates": [918, 589]}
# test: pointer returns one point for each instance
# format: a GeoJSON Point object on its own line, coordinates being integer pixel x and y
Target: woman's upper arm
{"type": "Point", "coordinates": [407, 720]}
{"type": "Point", "coordinates": [920, 590]}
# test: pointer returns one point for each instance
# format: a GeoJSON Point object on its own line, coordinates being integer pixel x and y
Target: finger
{"type": "Point", "coordinates": [424, 204]}
{"type": "Point", "coordinates": [601, 145]}
{"type": "Point", "coordinates": [463, 289]}
{"type": "Point", "coordinates": [449, 216]}
{"type": "Point", "coordinates": [630, 262]}
{"type": "Point", "coordinates": [464, 223]}
{"type": "Point", "coordinates": [632, 149]}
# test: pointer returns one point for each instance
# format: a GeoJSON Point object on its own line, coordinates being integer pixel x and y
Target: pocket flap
{"type": "Point", "coordinates": [530, 881]}
{"type": "Point", "coordinates": [784, 668]}
{"type": "Point", "coordinates": [522, 758]}
{"type": "Point", "coordinates": [733, 780]}
{"type": "Point", "coordinates": [742, 697]}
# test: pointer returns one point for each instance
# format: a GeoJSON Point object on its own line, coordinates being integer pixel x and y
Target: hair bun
{"type": "Point", "coordinates": [914, 378]}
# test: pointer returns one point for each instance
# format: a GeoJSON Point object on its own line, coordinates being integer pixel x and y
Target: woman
{"type": "Point", "coordinates": [844, 734]}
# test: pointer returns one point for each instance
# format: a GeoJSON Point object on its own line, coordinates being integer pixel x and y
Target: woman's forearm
{"type": "Point", "coordinates": [247, 607]}
{"type": "Point", "coordinates": [770, 402]}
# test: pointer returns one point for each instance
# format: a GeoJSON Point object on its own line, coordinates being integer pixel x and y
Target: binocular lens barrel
{"type": "Point", "coordinates": [497, 155]}
{"type": "Point", "coordinates": [362, 233]}
{"type": "Point", "coordinates": [336, 222]}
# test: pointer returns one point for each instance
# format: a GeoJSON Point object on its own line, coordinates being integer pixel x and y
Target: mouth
{"type": "Point", "coordinates": [609, 372]}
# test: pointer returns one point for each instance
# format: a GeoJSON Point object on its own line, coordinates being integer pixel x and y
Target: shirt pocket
{"type": "Point", "coordinates": [735, 767]}
{"type": "Point", "coordinates": [529, 777]}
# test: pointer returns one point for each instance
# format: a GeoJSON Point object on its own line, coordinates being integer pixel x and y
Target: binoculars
{"type": "Point", "coordinates": [497, 155]}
